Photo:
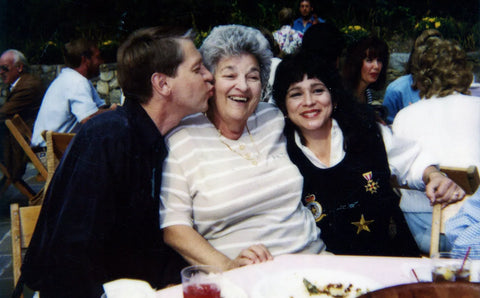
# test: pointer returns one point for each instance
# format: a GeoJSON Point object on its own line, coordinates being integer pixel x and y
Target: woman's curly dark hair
{"type": "Point", "coordinates": [356, 121]}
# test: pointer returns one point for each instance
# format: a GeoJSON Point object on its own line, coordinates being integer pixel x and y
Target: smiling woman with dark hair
{"type": "Point", "coordinates": [340, 151]}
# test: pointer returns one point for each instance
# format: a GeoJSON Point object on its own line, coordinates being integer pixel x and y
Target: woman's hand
{"type": "Point", "coordinates": [441, 189]}
{"type": "Point", "coordinates": [197, 250]}
{"type": "Point", "coordinates": [253, 255]}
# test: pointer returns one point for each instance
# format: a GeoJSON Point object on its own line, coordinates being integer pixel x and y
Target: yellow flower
{"type": "Point", "coordinates": [416, 25]}
{"type": "Point", "coordinates": [358, 28]}
{"type": "Point", "coordinates": [51, 43]}
{"type": "Point", "coordinates": [437, 24]}
{"type": "Point", "coordinates": [431, 20]}
{"type": "Point", "coordinates": [427, 26]}
{"type": "Point", "coordinates": [107, 42]}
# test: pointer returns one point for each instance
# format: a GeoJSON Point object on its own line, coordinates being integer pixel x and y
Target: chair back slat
{"type": "Point", "coordinates": [468, 179]}
{"type": "Point", "coordinates": [23, 135]}
{"type": "Point", "coordinates": [22, 224]}
{"type": "Point", "coordinates": [57, 144]}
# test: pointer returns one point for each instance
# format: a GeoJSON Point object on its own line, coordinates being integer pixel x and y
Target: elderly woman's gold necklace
{"type": "Point", "coordinates": [247, 156]}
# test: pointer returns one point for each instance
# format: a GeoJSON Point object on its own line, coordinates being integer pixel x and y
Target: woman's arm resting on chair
{"type": "Point", "coordinates": [440, 188]}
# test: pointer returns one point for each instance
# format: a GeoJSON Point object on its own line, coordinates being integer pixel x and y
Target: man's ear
{"type": "Point", "coordinates": [84, 61]}
{"type": "Point", "coordinates": [160, 83]}
{"type": "Point", "coordinates": [19, 67]}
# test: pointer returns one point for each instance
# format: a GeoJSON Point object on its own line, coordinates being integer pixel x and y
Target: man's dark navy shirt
{"type": "Point", "coordinates": [100, 217]}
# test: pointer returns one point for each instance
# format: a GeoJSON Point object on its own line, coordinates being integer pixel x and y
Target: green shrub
{"type": "Point", "coordinates": [108, 50]}
{"type": "Point", "coordinates": [354, 33]}
{"type": "Point", "coordinates": [51, 53]}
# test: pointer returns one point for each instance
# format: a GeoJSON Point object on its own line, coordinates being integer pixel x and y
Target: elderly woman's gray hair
{"type": "Point", "coordinates": [233, 40]}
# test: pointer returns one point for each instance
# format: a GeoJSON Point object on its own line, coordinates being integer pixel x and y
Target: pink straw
{"type": "Point", "coordinates": [465, 259]}
{"type": "Point", "coordinates": [415, 274]}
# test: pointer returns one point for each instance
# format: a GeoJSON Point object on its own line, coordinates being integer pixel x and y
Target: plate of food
{"type": "Point", "coordinates": [313, 283]}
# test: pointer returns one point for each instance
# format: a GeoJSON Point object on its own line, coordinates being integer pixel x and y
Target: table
{"type": "Point", "coordinates": [388, 271]}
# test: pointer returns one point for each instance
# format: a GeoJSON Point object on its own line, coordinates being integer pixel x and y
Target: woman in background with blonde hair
{"type": "Point", "coordinates": [446, 122]}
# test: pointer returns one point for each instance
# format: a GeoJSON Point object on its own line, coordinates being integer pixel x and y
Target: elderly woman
{"type": "Point", "coordinates": [365, 67]}
{"type": "Point", "coordinates": [231, 195]}
{"type": "Point", "coordinates": [446, 123]}
{"type": "Point", "coordinates": [339, 150]}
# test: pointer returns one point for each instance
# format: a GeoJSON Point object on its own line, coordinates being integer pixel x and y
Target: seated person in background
{"type": "Point", "coordinates": [230, 194]}
{"type": "Point", "coordinates": [100, 217]}
{"type": "Point", "coordinates": [445, 123]}
{"type": "Point", "coordinates": [71, 99]}
{"type": "Point", "coordinates": [365, 67]}
{"type": "Point", "coordinates": [24, 98]}
{"type": "Point", "coordinates": [463, 230]}
{"type": "Point", "coordinates": [402, 92]}
{"type": "Point", "coordinates": [325, 41]}
{"type": "Point", "coordinates": [307, 17]}
{"type": "Point", "coordinates": [287, 38]}
{"type": "Point", "coordinates": [338, 147]}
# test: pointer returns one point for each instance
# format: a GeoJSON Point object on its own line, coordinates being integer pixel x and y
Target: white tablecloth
{"type": "Point", "coordinates": [385, 270]}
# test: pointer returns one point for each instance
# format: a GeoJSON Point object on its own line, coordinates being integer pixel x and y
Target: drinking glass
{"type": "Point", "coordinates": [446, 267]}
{"type": "Point", "coordinates": [201, 281]}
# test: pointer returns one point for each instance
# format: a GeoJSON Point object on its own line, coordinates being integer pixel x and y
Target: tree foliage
{"type": "Point", "coordinates": [40, 27]}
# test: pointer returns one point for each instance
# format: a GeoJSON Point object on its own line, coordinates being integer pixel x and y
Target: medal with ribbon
{"type": "Point", "coordinates": [371, 185]}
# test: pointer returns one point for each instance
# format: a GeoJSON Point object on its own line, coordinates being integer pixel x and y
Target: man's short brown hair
{"type": "Point", "coordinates": [146, 51]}
{"type": "Point", "coordinates": [76, 49]}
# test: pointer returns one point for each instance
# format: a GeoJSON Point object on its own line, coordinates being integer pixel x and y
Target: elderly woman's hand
{"type": "Point", "coordinates": [441, 189]}
{"type": "Point", "coordinates": [254, 254]}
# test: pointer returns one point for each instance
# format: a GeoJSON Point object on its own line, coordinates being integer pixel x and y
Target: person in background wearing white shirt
{"type": "Point", "coordinates": [70, 99]}
{"type": "Point", "coordinates": [445, 123]}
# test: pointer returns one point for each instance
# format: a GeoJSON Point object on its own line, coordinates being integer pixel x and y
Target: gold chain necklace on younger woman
{"type": "Point", "coordinates": [253, 158]}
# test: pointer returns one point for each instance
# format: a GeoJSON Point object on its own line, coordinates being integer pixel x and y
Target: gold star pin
{"type": "Point", "coordinates": [362, 225]}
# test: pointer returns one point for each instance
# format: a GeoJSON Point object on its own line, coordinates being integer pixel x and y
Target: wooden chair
{"type": "Point", "coordinates": [57, 143]}
{"type": "Point", "coordinates": [23, 221]}
{"type": "Point", "coordinates": [469, 180]}
{"type": "Point", "coordinates": [23, 135]}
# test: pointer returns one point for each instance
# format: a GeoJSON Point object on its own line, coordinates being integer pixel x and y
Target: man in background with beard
{"type": "Point", "coordinates": [71, 98]}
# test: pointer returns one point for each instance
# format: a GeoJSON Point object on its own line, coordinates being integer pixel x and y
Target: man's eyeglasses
{"type": "Point", "coordinates": [4, 68]}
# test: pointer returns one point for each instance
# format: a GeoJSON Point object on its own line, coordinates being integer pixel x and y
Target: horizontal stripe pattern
{"type": "Point", "coordinates": [229, 200]}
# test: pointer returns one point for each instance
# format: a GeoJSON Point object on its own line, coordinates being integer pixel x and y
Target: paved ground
{"type": "Point", "coordinates": [12, 195]}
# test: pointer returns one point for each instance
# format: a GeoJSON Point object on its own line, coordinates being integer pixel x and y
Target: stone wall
{"type": "Point", "coordinates": [108, 88]}
{"type": "Point", "coordinates": [106, 84]}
